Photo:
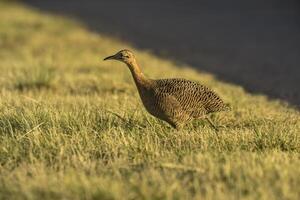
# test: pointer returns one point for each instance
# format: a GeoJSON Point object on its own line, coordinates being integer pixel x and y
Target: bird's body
{"type": "Point", "coordinates": [176, 101]}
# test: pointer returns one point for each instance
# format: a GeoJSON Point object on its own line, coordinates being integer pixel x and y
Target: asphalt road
{"type": "Point", "coordinates": [252, 43]}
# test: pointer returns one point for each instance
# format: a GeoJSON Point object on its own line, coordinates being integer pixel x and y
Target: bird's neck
{"type": "Point", "coordinates": [139, 78]}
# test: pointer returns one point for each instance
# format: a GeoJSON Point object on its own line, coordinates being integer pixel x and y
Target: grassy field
{"type": "Point", "coordinates": [73, 127]}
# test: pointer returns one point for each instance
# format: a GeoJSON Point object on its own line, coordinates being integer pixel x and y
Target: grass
{"type": "Point", "coordinates": [73, 127]}
{"type": "Point", "coordinates": [34, 78]}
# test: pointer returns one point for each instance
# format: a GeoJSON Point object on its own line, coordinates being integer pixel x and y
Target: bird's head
{"type": "Point", "coordinates": [125, 56]}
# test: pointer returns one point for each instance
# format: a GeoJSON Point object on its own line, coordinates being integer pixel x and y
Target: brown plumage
{"type": "Point", "coordinates": [176, 101]}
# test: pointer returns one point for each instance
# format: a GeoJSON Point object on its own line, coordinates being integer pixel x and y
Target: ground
{"type": "Point", "coordinates": [73, 127]}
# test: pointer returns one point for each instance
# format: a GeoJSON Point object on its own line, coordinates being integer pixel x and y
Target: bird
{"type": "Point", "coordinates": [176, 101]}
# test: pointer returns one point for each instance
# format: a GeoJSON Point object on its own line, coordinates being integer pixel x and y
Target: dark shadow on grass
{"type": "Point", "coordinates": [252, 43]}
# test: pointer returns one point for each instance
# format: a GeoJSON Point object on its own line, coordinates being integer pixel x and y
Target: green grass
{"type": "Point", "coordinates": [73, 127]}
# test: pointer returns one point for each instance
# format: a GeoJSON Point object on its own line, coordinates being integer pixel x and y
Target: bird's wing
{"type": "Point", "coordinates": [192, 96]}
{"type": "Point", "coordinates": [168, 104]}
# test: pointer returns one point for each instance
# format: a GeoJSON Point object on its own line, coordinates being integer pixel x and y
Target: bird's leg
{"type": "Point", "coordinates": [211, 123]}
{"type": "Point", "coordinates": [176, 125]}
{"type": "Point", "coordinates": [179, 127]}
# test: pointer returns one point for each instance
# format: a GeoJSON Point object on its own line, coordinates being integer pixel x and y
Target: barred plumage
{"type": "Point", "coordinates": [176, 101]}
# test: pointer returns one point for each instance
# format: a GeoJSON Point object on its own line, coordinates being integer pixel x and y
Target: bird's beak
{"type": "Point", "coordinates": [110, 57]}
